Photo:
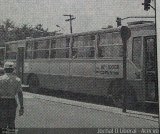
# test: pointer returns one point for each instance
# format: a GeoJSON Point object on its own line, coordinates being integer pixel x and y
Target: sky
{"type": "Point", "coordinates": [90, 15]}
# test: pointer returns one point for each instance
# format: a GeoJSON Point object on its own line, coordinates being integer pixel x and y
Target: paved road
{"type": "Point", "coordinates": [41, 113]}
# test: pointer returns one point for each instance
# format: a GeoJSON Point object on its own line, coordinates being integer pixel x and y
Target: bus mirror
{"type": "Point", "coordinates": [125, 33]}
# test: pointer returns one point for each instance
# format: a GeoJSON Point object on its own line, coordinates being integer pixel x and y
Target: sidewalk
{"type": "Point", "coordinates": [114, 110]}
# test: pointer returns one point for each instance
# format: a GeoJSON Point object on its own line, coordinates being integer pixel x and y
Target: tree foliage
{"type": "Point", "coordinates": [10, 32]}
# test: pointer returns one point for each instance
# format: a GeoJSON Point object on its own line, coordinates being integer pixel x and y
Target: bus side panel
{"type": "Point", "coordinates": [59, 67]}
{"type": "Point", "coordinates": [36, 67]}
{"type": "Point", "coordinates": [75, 84]}
{"type": "Point", "coordinates": [111, 69]}
{"type": "Point", "coordinates": [84, 68]}
{"type": "Point", "coordinates": [97, 68]}
{"type": "Point", "coordinates": [137, 86]}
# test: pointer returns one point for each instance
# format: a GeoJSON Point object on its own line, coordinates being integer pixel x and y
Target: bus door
{"type": "Point", "coordinates": [150, 65]}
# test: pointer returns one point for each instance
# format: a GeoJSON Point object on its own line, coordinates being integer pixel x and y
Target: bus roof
{"type": "Point", "coordinates": [117, 29]}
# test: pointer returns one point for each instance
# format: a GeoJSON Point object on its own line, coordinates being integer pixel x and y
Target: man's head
{"type": "Point", "coordinates": [8, 67]}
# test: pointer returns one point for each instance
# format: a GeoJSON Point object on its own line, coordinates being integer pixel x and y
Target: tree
{"type": "Point", "coordinates": [5, 29]}
{"type": "Point", "coordinates": [10, 32]}
{"type": "Point", "coordinates": [8, 26]}
{"type": "Point", "coordinates": [39, 31]}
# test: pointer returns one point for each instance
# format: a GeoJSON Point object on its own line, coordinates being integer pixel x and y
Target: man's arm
{"type": "Point", "coordinates": [20, 98]}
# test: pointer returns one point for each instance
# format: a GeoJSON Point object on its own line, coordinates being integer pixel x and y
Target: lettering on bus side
{"type": "Point", "coordinates": [108, 69]}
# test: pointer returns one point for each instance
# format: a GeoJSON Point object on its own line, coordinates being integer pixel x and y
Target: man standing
{"type": "Point", "coordinates": [10, 86]}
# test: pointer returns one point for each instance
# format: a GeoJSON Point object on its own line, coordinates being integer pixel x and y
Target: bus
{"type": "Point", "coordinates": [92, 63]}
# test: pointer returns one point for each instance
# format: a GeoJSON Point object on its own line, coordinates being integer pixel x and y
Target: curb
{"type": "Point", "coordinates": [114, 110]}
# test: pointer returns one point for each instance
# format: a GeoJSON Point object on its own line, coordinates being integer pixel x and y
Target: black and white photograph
{"type": "Point", "coordinates": [79, 66]}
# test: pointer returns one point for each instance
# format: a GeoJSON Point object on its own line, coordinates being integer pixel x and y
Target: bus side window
{"type": "Point", "coordinates": [136, 51]}
{"type": "Point", "coordinates": [41, 49]}
{"type": "Point", "coordinates": [67, 46]}
{"type": "Point", "coordinates": [29, 50]}
{"type": "Point", "coordinates": [150, 54]}
{"type": "Point", "coordinates": [67, 42]}
{"type": "Point", "coordinates": [53, 45]}
{"type": "Point", "coordinates": [109, 45]}
{"type": "Point", "coordinates": [11, 51]}
{"type": "Point", "coordinates": [60, 48]}
{"type": "Point", "coordinates": [116, 38]}
{"type": "Point", "coordinates": [84, 46]}
{"type": "Point", "coordinates": [99, 49]}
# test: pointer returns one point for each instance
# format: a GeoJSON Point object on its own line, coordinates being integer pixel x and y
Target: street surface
{"type": "Point", "coordinates": [50, 112]}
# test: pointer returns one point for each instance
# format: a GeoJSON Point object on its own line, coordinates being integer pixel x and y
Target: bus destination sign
{"type": "Point", "coordinates": [110, 70]}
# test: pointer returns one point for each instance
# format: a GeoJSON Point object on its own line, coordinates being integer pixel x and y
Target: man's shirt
{"type": "Point", "coordinates": [10, 85]}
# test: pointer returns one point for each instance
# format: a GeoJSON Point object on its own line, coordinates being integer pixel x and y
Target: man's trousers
{"type": "Point", "coordinates": [7, 113]}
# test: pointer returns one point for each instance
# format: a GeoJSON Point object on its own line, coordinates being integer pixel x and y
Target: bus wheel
{"type": "Point", "coordinates": [33, 83]}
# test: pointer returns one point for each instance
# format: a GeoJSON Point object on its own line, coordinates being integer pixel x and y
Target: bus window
{"type": "Point", "coordinates": [42, 44]}
{"type": "Point", "coordinates": [29, 50]}
{"type": "Point", "coordinates": [61, 43]}
{"type": "Point", "coordinates": [136, 51]}
{"type": "Point", "coordinates": [84, 47]}
{"type": "Point", "coordinates": [60, 53]}
{"type": "Point", "coordinates": [105, 38]}
{"type": "Point", "coordinates": [11, 51]}
{"type": "Point", "coordinates": [110, 45]}
{"type": "Point", "coordinates": [60, 48]}
{"type": "Point", "coordinates": [11, 55]}
{"type": "Point", "coordinates": [41, 49]}
{"type": "Point", "coordinates": [11, 47]}
{"type": "Point", "coordinates": [150, 54]}
{"type": "Point", "coordinates": [53, 43]}
{"type": "Point", "coordinates": [110, 51]}
{"type": "Point", "coordinates": [67, 42]}
{"type": "Point", "coordinates": [42, 54]}
{"type": "Point", "coordinates": [116, 38]}
{"type": "Point", "coordinates": [29, 46]}
{"type": "Point", "coordinates": [29, 55]}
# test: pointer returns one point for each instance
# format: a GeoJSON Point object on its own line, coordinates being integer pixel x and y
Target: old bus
{"type": "Point", "coordinates": [91, 62]}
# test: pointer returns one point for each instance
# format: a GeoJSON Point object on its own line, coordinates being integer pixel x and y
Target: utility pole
{"type": "Point", "coordinates": [125, 35]}
{"type": "Point", "coordinates": [71, 17]}
{"type": "Point", "coordinates": [20, 63]}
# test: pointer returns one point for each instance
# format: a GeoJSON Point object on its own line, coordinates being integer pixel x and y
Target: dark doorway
{"type": "Point", "coordinates": [150, 62]}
